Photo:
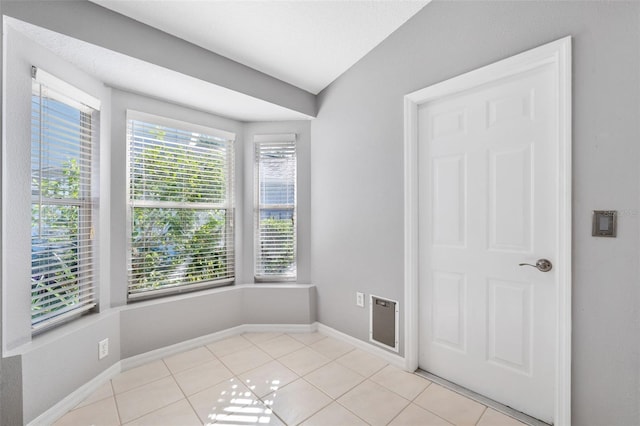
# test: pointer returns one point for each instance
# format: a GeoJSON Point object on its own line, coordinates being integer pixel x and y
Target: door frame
{"type": "Point", "coordinates": [558, 55]}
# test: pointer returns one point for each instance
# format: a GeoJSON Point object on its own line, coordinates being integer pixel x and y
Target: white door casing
{"type": "Point", "coordinates": [488, 187]}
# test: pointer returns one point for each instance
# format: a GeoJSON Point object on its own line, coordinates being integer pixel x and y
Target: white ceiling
{"type": "Point", "coordinates": [307, 43]}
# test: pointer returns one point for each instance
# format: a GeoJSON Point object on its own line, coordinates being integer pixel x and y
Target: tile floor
{"type": "Point", "coordinates": [277, 379]}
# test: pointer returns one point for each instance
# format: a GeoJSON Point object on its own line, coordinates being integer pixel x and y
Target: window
{"type": "Point", "coordinates": [64, 129]}
{"type": "Point", "coordinates": [181, 206]}
{"type": "Point", "coordinates": [275, 245]}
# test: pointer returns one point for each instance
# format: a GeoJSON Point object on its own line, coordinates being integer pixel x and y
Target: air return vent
{"type": "Point", "coordinates": [383, 327]}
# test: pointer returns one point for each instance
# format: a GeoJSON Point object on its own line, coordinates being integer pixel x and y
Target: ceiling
{"type": "Point", "coordinates": [137, 76]}
{"type": "Point", "coordinates": [307, 43]}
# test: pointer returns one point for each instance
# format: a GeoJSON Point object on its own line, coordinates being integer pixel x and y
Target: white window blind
{"type": "Point", "coordinates": [64, 129]}
{"type": "Point", "coordinates": [181, 206]}
{"type": "Point", "coordinates": [275, 245]}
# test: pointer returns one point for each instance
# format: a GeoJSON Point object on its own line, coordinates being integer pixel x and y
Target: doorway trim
{"type": "Point", "coordinates": [557, 54]}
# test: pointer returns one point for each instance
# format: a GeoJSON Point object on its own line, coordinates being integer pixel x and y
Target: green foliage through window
{"type": "Point", "coordinates": [275, 254]}
{"type": "Point", "coordinates": [181, 216]}
{"type": "Point", "coordinates": [62, 268]}
{"type": "Point", "coordinates": [277, 250]}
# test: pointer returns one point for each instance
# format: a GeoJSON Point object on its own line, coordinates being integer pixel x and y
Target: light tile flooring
{"type": "Point", "coordinates": [277, 379]}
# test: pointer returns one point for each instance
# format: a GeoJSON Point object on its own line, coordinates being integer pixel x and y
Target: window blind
{"type": "Point", "coordinates": [275, 219]}
{"type": "Point", "coordinates": [64, 129]}
{"type": "Point", "coordinates": [181, 206]}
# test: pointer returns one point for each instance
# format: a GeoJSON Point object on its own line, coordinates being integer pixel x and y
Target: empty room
{"type": "Point", "coordinates": [320, 212]}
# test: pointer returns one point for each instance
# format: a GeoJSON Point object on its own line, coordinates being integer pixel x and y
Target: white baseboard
{"type": "Point", "coordinates": [76, 397]}
{"type": "Point", "coordinates": [391, 358]}
{"type": "Point", "coordinates": [280, 328]}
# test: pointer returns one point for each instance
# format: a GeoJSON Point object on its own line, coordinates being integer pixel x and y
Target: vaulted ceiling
{"type": "Point", "coordinates": [307, 43]}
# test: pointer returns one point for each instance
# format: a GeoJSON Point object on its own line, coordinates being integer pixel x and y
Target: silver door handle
{"type": "Point", "coordinates": [543, 265]}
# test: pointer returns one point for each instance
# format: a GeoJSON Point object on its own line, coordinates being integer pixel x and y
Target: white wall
{"type": "Point", "coordinates": [357, 173]}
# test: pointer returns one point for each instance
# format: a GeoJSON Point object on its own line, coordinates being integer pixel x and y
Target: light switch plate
{"type": "Point", "coordinates": [604, 223]}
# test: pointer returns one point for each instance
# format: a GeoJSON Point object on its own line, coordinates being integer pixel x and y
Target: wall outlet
{"type": "Point", "coordinates": [103, 348]}
{"type": "Point", "coordinates": [360, 299]}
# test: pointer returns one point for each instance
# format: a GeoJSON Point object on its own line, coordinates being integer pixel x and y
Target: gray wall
{"type": "Point", "coordinates": [357, 173]}
{"type": "Point", "coordinates": [60, 362]}
{"type": "Point", "coordinates": [151, 325]}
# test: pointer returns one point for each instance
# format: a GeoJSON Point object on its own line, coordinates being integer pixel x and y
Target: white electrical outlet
{"type": "Point", "coordinates": [360, 299]}
{"type": "Point", "coordinates": [103, 348]}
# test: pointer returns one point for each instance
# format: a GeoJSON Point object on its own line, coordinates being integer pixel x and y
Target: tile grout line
{"type": "Point", "coordinates": [398, 413]}
{"type": "Point", "coordinates": [343, 393]}
{"type": "Point", "coordinates": [115, 401]}
{"type": "Point", "coordinates": [259, 399]}
{"type": "Point", "coordinates": [239, 379]}
{"type": "Point", "coordinates": [369, 378]}
{"type": "Point", "coordinates": [481, 415]}
{"type": "Point", "coordinates": [182, 390]}
{"type": "Point", "coordinates": [171, 374]}
{"type": "Point", "coordinates": [332, 400]}
{"type": "Point", "coordinates": [347, 408]}
{"type": "Point", "coordinates": [482, 400]}
{"type": "Point", "coordinates": [411, 401]}
{"type": "Point", "coordinates": [420, 406]}
{"type": "Point", "coordinates": [301, 377]}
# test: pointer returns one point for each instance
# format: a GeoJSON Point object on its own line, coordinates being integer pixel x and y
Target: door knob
{"type": "Point", "coordinates": [543, 265]}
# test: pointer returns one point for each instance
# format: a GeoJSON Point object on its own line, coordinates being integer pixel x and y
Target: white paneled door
{"type": "Point", "coordinates": [488, 201]}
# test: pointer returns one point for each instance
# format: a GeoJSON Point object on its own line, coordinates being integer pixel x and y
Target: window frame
{"type": "Point", "coordinates": [229, 206]}
{"type": "Point", "coordinates": [87, 202]}
{"type": "Point", "coordinates": [270, 139]}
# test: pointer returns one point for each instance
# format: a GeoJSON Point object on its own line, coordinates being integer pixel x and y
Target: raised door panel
{"type": "Point", "coordinates": [449, 201]}
{"type": "Point", "coordinates": [449, 310]}
{"type": "Point", "coordinates": [509, 323]}
{"type": "Point", "coordinates": [510, 193]}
